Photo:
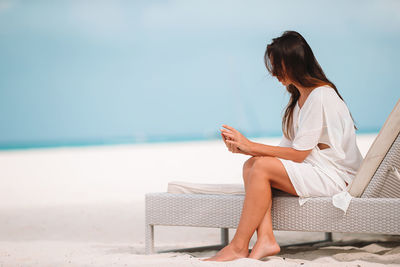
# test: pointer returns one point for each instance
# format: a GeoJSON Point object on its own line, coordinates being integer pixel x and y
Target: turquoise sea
{"type": "Point", "coordinates": [75, 73]}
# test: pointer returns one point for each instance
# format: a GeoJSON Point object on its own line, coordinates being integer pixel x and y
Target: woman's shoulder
{"type": "Point", "coordinates": [326, 94]}
{"type": "Point", "coordinates": [332, 103]}
{"type": "Point", "coordinates": [316, 96]}
{"type": "Point", "coordinates": [323, 90]}
{"type": "Point", "coordinates": [325, 98]}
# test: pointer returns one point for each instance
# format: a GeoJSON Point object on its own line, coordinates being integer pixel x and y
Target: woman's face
{"type": "Point", "coordinates": [285, 81]}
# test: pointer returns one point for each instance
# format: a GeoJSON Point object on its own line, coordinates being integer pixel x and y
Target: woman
{"type": "Point", "coordinates": [318, 154]}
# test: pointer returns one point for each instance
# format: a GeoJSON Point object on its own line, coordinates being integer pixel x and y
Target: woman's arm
{"type": "Point", "coordinates": [257, 149]}
{"type": "Point", "coordinates": [242, 145]}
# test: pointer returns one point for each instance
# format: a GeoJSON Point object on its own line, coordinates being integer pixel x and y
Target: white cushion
{"type": "Point", "coordinates": [214, 189]}
{"type": "Point", "coordinates": [376, 152]}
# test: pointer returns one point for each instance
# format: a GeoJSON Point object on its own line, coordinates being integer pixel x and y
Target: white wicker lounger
{"type": "Point", "coordinates": [375, 207]}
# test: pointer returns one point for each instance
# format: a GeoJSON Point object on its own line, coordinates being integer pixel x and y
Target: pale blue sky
{"type": "Point", "coordinates": [80, 72]}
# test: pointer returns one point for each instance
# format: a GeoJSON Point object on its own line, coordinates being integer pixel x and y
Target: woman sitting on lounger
{"type": "Point", "coordinates": [318, 154]}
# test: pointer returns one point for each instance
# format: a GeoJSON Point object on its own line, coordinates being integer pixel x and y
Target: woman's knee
{"type": "Point", "coordinates": [248, 164]}
{"type": "Point", "coordinates": [263, 165]}
{"type": "Point", "coordinates": [254, 166]}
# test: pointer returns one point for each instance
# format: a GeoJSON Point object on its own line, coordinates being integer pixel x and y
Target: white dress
{"type": "Point", "coordinates": [324, 118]}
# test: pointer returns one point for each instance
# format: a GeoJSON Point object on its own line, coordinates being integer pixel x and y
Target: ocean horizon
{"type": "Point", "coordinates": [143, 140]}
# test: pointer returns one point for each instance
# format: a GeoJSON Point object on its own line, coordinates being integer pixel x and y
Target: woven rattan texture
{"type": "Point", "coordinates": [365, 215]}
{"type": "Point", "coordinates": [193, 210]}
{"type": "Point", "coordinates": [384, 184]}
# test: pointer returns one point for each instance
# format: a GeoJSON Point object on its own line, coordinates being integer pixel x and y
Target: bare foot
{"type": "Point", "coordinates": [264, 248]}
{"type": "Point", "coordinates": [229, 253]}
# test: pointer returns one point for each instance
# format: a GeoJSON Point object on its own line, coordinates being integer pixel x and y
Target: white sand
{"type": "Point", "coordinates": [84, 207]}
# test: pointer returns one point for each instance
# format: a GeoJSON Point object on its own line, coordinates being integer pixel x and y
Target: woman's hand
{"type": "Point", "coordinates": [230, 147]}
{"type": "Point", "coordinates": [235, 141]}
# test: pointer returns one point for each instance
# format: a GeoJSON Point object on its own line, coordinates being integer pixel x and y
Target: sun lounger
{"type": "Point", "coordinates": [374, 208]}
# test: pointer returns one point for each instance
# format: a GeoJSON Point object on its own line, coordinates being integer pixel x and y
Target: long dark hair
{"type": "Point", "coordinates": [292, 57]}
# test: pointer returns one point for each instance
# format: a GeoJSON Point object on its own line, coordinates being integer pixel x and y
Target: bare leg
{"type": "Point", "coordinates": [257, 201]}
{"type": "Point", "coordinates": [266, 244]}
{"type": "Point", "coordinates": [257, 205]}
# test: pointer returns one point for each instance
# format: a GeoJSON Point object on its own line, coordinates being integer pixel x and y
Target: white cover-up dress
{"type": "Point", "coordinates": [323, 118]}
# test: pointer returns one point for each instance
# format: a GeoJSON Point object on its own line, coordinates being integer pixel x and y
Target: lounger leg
{"type": "Point", "coordinates": [149, 238]}
{"type": "Point", "coordinates": [224, 242]}
{"type": "Point", "coordinates": [224, 236]}
{"type": "Point", "coordinates": [328, 237]}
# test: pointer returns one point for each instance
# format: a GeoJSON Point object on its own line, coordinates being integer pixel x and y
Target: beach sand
{"type": "Point", "coordinates": [85, 207]}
